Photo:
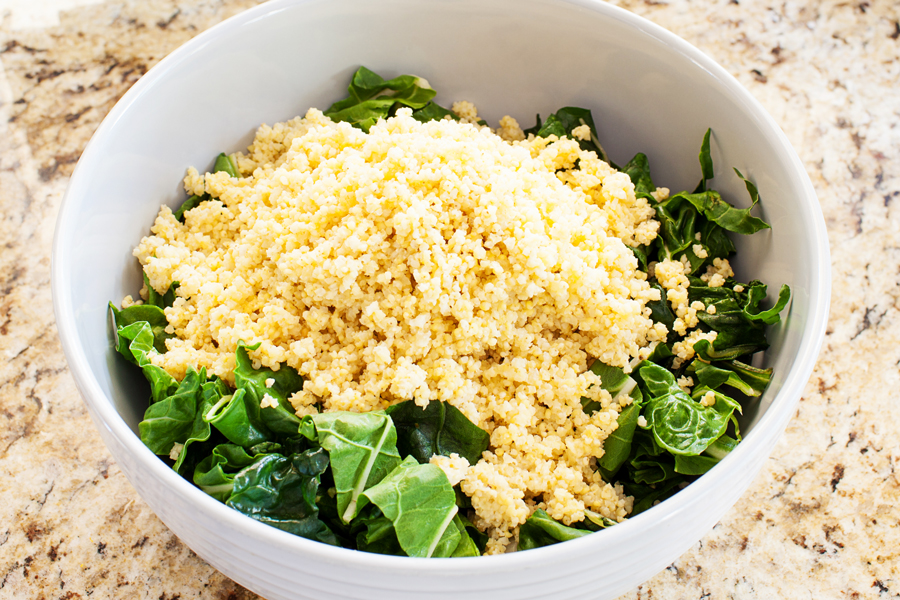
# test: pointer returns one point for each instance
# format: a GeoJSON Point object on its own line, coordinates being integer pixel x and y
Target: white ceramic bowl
{"type": "Point", "coordinates": [649, 91]}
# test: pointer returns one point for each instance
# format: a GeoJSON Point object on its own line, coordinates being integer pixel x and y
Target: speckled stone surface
{"type": "Point", "coordinates": [821, 521]}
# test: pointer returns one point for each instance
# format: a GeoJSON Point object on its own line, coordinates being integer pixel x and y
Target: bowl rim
{"type": "Point", "coordinates": [770, 425]}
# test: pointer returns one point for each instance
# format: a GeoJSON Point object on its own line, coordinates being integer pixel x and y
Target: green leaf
{"type": "Point", "coordinates": [646, 496]}
{"type": "Point", "coordinates": [617, 447]}
{"type": "Point", "coordinates": [190, 203]}
{"type": "Point", "coordinates": [638, 169]}
{"type": "Point", "coordinates": [756, 294]}
{"type": "Point", "coordinates": [466, 546]}
{"type": "Point", "coordinates": [679, 424]}
{"type": "Point", "coordinates": [479, 538]}
{"type": "Point", "coordinates": [281, 491]}
{"type": "Point", "coordinates": [698, 465]}
{"type": "Point", "coordinates": [136, 342]}
{"type": "Point", "coordinates": [169, 421]}
{"type": "Point", "coordinates": [597, 520]}
{"type": "Point", "coordinates": [738, 331]}
{"type": "Point", "coordinates": [717, 210]}
{"type": "Point", "coordinates": [215, 473]}
{"type": "Point", "coordinates": [195, 448]}
{"type": "Point", "coordinates": [562, 122]}
{"type": "Point", "coordinates": [715, 241]}
{"type": "Point", "coordinates": [420, 502]}
{"type": "Point", "coordinates": [234, 417]}
{"type": "Point", "coordinates": [660, 311]}
{"type": "Point", "coordinates": [757, 379]}
{"type": "Point", "coordinates": [730, 373]}
{"type": "Point", "coordinates": [433, 112]}
{"type": "Point", "coordinates": [706, 164]}
{"type": "Point", "coordinates": [285, 381]}
{"type": "Point", "coordinates": [224, 162]}
{"type": "Point", "coordinates": [541, 530]}
{"type": "Point", "coordinates": [679, 222]}
{"type": "Point", "coordinates": [153, 315]}
{"type": "Point", "coordinates": [371, 98]}
{"type": "Point", "coordinates": [439, 428]}
{"type": "Point", "coordinates": [363, 450]}
{"type": "Point", "coordinates": [378, 536]}
{"type": "Point", "coordinates": [642, 254]}
{"type": "Point", "coordinates": [228, 164]}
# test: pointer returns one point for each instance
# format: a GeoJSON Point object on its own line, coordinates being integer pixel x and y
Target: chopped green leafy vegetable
{"type": "Point", "coordinates": [364, 480]}
{"type": "Point", "coordinates": [363, 450]}
{"type": "Point", "coordinates": [562, 122]}
{"type": "Point", "coordinates": [419, 501]}
{"type": "Point", "coordinates": [541, 530]}
{"type": "Point", "coordinates": [224, 162]}
{"type": "Point", "coordinates": [372, 98]}
{"type": "Point", "coordinates": [438, 428]}
{"type": "Point", "coordinates": [281, 491]}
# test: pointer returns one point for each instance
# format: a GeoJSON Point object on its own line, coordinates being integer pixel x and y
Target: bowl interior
{"type": "Point", "coordinates": [649, 92]}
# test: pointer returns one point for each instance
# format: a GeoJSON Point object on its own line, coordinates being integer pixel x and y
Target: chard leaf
{"type": "Point", "coordinates": [439, 428]}
{"type": "Point", "coordinates": [715, 241]}
{"type": "Point", "coordinates": [433, 112]}
{"type": "Point", "coordinates": [638, 169]}
{"type": "Point", "coordinates": [540, 530]}
{"type": "Point", "coordinates": [652, 471]}
{"type": "Point", "coordinates": [479, 538]}
{"type": "Point", "coordinates": [363, 450]}
{"type": "Point", "coordinates": [234, 416]}
{"type": "Point", "coordinates": [135, 343]}
{"type": "Point", "coordinates": [281, 491]}
{"type": "Point", "coordinates": [706, 164]}
{"type": "Point", "coordinates": [420, 502]}
{"type": "Point", "coordinates": [748, 380]}
{"type": "Point", "coordinates": [679, 222]}
{"type": "Point", "coordinates": [192, 202]}
{"type": "Point", "coordinates": [646, 496]}
{"type": "Point", "coordinates": [466, 546]}
{"type": "Point", "coordinates": [597, 521]}
{"type": "Point", "coordinates": [379, 535]}
{"type": "Point", "coordinates": [153, 315]}
{"type": "Point", "coordinates": [224, 162]}
{"type": "Point", "coordinates": [660, 311]}
{"type": "Point", "coordinates": [661, 352]}
{"type": "Point", "coordinates": [679, 424]}
{"type": "Point", "coordinates": [757, 379]}
{"type": "Point", "coordinates": [158, 300]}
{"type": "Point", "coordinates": [195, 446]}
{"type": "Point", "coordinates": [169, 420]}
{"type": "Point", "coordinates": [215, 473]}
{"type": "Point", "coordinates": [613, 379]}
{"type": "Point", "coordinates": [562, 122]}
{"type": "Point", "coordinates": [698, 465]}
{"type": "Point", "coordinates": [617, 447]}
{"type": "Point", "coordinates": [279, 419]}
{"type": "Point", "coordinates": [738, 332]}
{"type": "Point", "coordinates": [227, 163]}
{"type": "Point", "coordinates": [717, 210]}
{"type": "Point", "coordinates": [371, 98]}
{"type": "Point", "coordinates": [642, 254]}
{"type": "Point", "coordinates": [756, 294]}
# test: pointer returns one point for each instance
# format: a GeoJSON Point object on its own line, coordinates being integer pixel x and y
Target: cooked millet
{"type": "Point", "coordinates": [717, 273]}
{"type": "Point", "coordinates": [429, 261]}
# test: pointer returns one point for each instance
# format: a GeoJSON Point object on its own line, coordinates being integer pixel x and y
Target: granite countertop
{"type": "Point", "coordinates": [822, 520]}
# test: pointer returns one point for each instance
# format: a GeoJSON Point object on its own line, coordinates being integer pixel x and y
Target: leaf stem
{"type": "Point", "coordinates": [440, 533]}
{"type": "Point", "coordinates": [364, 477]}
